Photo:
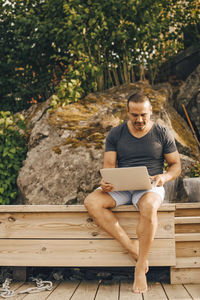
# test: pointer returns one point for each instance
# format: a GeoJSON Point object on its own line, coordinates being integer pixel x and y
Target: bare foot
{"type": "Point", "coordinates": [140, 281]}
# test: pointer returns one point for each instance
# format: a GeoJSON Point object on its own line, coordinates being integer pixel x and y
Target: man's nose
{"type": "Point", "coordinates": [139, 119]}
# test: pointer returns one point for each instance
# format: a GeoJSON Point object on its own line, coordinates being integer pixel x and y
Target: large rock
{"type": "Point", "coordinates": [181, 65]}
{"type": "Point", "coordinates": [175, 190]}
{"type": "Point", "coordinates": [189, 96]}
{"type": "Point", "coordinates": [66, 145]}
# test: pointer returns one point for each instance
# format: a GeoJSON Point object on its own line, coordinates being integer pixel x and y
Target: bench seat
{"type": "Point", "coordinates": [60, 235]}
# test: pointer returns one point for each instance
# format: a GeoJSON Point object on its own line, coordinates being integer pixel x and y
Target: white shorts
{"type": "Point", "coordinates": [132, 197]}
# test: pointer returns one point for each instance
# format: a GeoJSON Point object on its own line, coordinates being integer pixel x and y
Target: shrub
{"type": "Point", "coordinates": [195, 169]}
{"type": "Point", "coordinates": [68, 92]}
{"type": "Point", "coordinates": [12, 153]}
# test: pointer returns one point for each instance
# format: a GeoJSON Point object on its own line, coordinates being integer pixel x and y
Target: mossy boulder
{"type": "Point", "coordinates": [66, 144]}
{"type": "Point", "coordinates": [189, 96]}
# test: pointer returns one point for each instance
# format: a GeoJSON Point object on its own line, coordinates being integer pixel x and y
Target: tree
{"type": "Point", "coordinates": [90, 44]}
{"type": "Point", "coordinates": [30, 63]}
{"type": "Point", "coordinates": [116, 41]}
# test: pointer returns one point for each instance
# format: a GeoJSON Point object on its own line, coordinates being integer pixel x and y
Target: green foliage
{"type": "Point", "coordinates": [195, 169]}
{"type": "Point", "coordinates": [12, 153]}
{"type": "Point", "coordinates": [69, 91]}
{"type": "Point", "coordinates": [97, 43]}
{"type": "Point", "coordinates": [30, 49]}
{"type": "Point", "coordinates": [115, 42]}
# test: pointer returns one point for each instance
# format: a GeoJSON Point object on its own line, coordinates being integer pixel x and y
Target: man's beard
{"type": "Point", "coordinates": [140, 126]}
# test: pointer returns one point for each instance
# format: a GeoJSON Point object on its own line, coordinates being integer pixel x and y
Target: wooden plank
{"type": "Point", "coordinates": [126, 291]}
{"type": "Point", "coordinates": [187, 228]}
{"type": "Point", "coordinates": [176, 292]}
{"type": "Point", "coordinates": [70, 208]}
{"type": "Point", "coordinates": [193, 290]}
{"type": "Point", "coordinates": [187, 220]}
{"type": "Point", "coordinates": [42, 208]}
{"type": "Point", "coordinates": [41, 295]}
{"type": "Point", "coordinates": [108, 290]}
{"type": "Point", "coordinates": [190, 212]}
{"type": "Point", "coordinates": [155, 292]}
{"type": "Point", "coordinates": [187, 209]}
{"type": "Point", "coordinates": [74, 225]}
{"type": "Point", "coordinates": [188, 249]}
{"type": "Point", "coordinates": [64, 290]}
{"type": "Point", "coordinates": [86, 290]}
{"type": "Point", "coordinates": [15, 286]}
{"type": "Point", "coordinates": [72, 253]}
{"type": "Point", "coordinates": [188, 205]}
{"type": "Point", "coordinates": [23, 287]}
{"type": "Point", "coordinates": [188, 262]}
{"type": "Point", "coordinates": [179, 237]}
{"type": "Point", "coordinates": [184, 275]}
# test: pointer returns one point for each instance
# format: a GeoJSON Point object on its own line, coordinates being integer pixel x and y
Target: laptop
{"type": "Point", "coordinates": [126, 179]}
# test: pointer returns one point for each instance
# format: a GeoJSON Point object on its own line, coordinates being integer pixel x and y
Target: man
{"type": "Point", "coordinates": [137, 142]}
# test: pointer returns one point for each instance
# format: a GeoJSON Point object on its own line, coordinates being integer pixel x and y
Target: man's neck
{"type": "Point", "coordinates": [139, 133]}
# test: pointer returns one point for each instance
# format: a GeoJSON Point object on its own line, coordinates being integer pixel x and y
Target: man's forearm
{"type": "Point", "coordinates": [109, 165]}
{"type": "Point", "coordinates": [173, 172]}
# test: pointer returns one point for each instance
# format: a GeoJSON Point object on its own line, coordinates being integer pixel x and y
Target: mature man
{"type": "Point", "coordinates": [137, 142]}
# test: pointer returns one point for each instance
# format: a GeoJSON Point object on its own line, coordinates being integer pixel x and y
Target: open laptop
{"type": "Point", "coordinates": [126, 179]}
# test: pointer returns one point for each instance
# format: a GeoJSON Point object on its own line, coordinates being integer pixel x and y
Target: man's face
{"type": "Point", "coordinates": [139, 114]}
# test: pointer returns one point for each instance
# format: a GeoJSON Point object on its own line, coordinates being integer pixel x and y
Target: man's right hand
{"type": "Point", "coordinates": [106, 187]}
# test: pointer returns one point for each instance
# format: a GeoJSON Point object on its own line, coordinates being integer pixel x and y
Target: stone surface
{"type": "Point", "coordinates": [175, 190]}
{"type": "Point", "coordinates": [192, 188]}
{"type": "Point", "coordinates": [189, 96]}
{"type": "Point", "coordinates": [66, 145]}
{"type": "Point", "coordinates": [181, 65]}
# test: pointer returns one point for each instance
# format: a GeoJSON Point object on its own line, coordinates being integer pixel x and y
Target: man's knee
{"type": "Point", "coordinates": [148, 207]}
{"type": "Point", "coordinates": [93, 203]}
{"type": "Point", "coordinates": [89, 201]}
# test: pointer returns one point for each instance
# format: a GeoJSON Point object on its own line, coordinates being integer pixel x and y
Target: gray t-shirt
{"type": "Point", "coordinates": [146, 151]}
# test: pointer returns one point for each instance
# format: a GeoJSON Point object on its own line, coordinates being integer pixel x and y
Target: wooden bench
{"type": "Point", "coordinates": [59, 235]}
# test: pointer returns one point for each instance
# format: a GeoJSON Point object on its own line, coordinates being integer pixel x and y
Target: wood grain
{"type": "Point", "coordinates": [187, 228]}
{"type": "Point", "coordinates": [187, 220]}
{"type": "Point", "coordinates": [188, 249]}
{"type": "Point", "coordinates": [188, 262]}
{"type": "Point", "coordinates": [155, 292]}
{"type": "Point", "coordinates": [73, 225]}
{"type": "Point", "coordinates": [176, 292]}
{"type": "Point", "coordinates": [185, 275]}
{"type": "Point", "coordinates": [71, 208]}
{"type": "Point", "coordinates": [33, 252]}
{"type": "Point", "coordinates": [180, 237]}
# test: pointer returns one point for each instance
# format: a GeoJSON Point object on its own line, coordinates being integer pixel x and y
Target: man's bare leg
{"type": "Point", "coordinates": [146, 229]}
{"type": "Point", "coordinates": [97, 204]}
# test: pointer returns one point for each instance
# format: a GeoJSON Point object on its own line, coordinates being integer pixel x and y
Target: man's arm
{"type": "Point", "coordinates": [174, 170]}
{"type": "Point", "coordinates": [110, 159]}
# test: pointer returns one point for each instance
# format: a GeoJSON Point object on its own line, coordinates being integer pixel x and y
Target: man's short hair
{"type": "Point", "coordinates": [138, 97]}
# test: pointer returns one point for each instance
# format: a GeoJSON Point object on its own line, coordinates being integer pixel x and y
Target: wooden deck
{"type": "Point", "coordinates": [107, 290]}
